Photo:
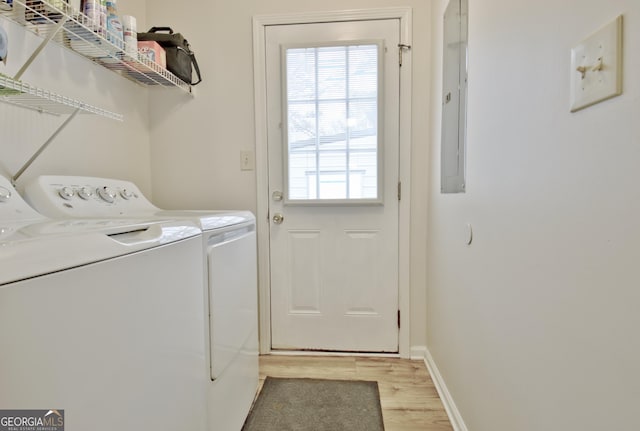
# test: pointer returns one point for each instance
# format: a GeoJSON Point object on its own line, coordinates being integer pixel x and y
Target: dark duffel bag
{"type": "Point", "coordinates": [181, 61]}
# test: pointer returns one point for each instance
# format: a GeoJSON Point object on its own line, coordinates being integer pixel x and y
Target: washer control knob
{"type": "Point", "coordinates": [66, 193]}
{"type": "Point", "coordinates": [126, 194]}
{"type": "Point", "coordinates": [85, 193]}
{"type": "Point", "coordinates": [5, 194]}
{"type": "Point", "coordinates": [107, 194]}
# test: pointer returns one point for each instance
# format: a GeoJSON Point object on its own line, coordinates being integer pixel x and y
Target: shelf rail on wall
{"type": "Point", "coordinates": [57, 21]}
{"type": "Point", "coordinates": [31, 97]}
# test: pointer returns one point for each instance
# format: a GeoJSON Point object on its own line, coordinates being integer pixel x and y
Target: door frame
{"type": "Point", "coordinates": [260, 22]}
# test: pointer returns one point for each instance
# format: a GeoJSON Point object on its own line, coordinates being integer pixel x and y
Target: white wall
{"type": "Point", "coordinates": [196, 142]}
{"type": "Point", "coordinates": [535, 325]}
{"type": "Point", "coordinates": [90, 145]}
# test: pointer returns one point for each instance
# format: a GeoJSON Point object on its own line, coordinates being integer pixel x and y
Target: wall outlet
{"type": "Point", "coordinates": [247, 160]}
{"type": "Point", "coordinates": [596, 67]}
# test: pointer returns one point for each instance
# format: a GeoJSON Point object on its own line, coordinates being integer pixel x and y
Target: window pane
{"type": "Point", "coordinates": [333, 172]}
{"type": "Point", "coordinates": [302, 124]}
{"type": "Point", "coordinates": [331, 72]}
{"type": "Point", "coordinates": [332, 115]}
{"type": "Point", "coordinates": [332, 125]}
{"type": "Point", "coordinates": [301, 162]}
{"type": "Point", "coordinates": [301, 64]}
{"type": "Point", "coordinates": [363, 80]}
{"type": "Point", "coordinates": [363, 123]}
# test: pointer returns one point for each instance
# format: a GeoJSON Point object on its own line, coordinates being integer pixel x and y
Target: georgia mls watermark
{"type": "Point", "coordinates": [31, 420]}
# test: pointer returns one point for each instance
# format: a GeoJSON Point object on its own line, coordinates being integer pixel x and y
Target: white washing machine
{"type": "Point", "coordinates": [229, 279]}
{"type": "Point", "coordinates": [102, 319]}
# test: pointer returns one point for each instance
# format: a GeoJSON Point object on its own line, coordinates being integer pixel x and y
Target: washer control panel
{"type": "Point", "coordinates": [5, 194]}
{"type": "Point", "coordinates": [12, 207]}
{"type": "Point", "coordinates": [68, 196]}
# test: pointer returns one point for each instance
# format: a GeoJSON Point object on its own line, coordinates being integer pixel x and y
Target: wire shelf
{"type": "Point", "coordinates": [27, 96]}
{"type": "Point", "coordinates": [79, 33]}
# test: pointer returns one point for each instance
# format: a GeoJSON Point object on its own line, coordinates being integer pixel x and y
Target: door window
{"type": "Point", "coordinates": [332, 115]}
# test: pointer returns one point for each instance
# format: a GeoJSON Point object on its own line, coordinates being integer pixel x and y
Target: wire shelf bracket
{"type": "Point", "coordinates": [30, 97]}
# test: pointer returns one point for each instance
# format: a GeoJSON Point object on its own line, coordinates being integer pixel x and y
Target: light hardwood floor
{"type": "Point", "coordinates": [408, 396]}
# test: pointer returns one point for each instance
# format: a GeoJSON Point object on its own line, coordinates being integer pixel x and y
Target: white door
{"type": "Point", "coordinates": [333, 113]}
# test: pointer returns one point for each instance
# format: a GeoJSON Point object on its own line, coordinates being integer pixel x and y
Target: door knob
{"type": "Point", "coordinates": [278, 218]}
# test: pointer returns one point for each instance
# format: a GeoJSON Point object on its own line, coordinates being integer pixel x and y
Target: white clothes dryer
{"type": "Point", "coordinates": [229, 279]}
{"type": "Point", "coordinates": [102, 319]}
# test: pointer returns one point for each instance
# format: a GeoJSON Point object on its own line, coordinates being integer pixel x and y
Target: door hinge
{"type": "Point", "coordinates": [401, 48]}
{"type": "Point", "coordinates": [399, 190]}
{"type": "Point", "coordinates": [398, 319]}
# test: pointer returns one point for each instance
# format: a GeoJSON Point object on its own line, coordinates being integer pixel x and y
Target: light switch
{"type": "Point", "coordinates": [468, 234]}
{"type": "Point", "coordinates": [596, 67]}
{"type": "Point", "coordinates": [247, 160]}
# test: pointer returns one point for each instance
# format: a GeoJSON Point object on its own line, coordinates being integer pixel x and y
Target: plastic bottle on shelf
{"type": "Point", "coordinates": [102, 29]}
{"type": "Point", "coordinates": [114, 26]}
{"type": "Point", "coordinates": [92, 10]}
{"type": "Point", "coordinates": [129, 31]}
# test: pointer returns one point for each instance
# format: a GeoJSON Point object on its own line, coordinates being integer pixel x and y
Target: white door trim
{"type": "Point", "coordinates": [262, 171]}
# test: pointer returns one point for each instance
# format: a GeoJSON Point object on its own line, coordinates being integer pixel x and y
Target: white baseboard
{"type": "Point", "coordinates": [450, 406]}
{"type": "Point", "coordinates": [418, 353]}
